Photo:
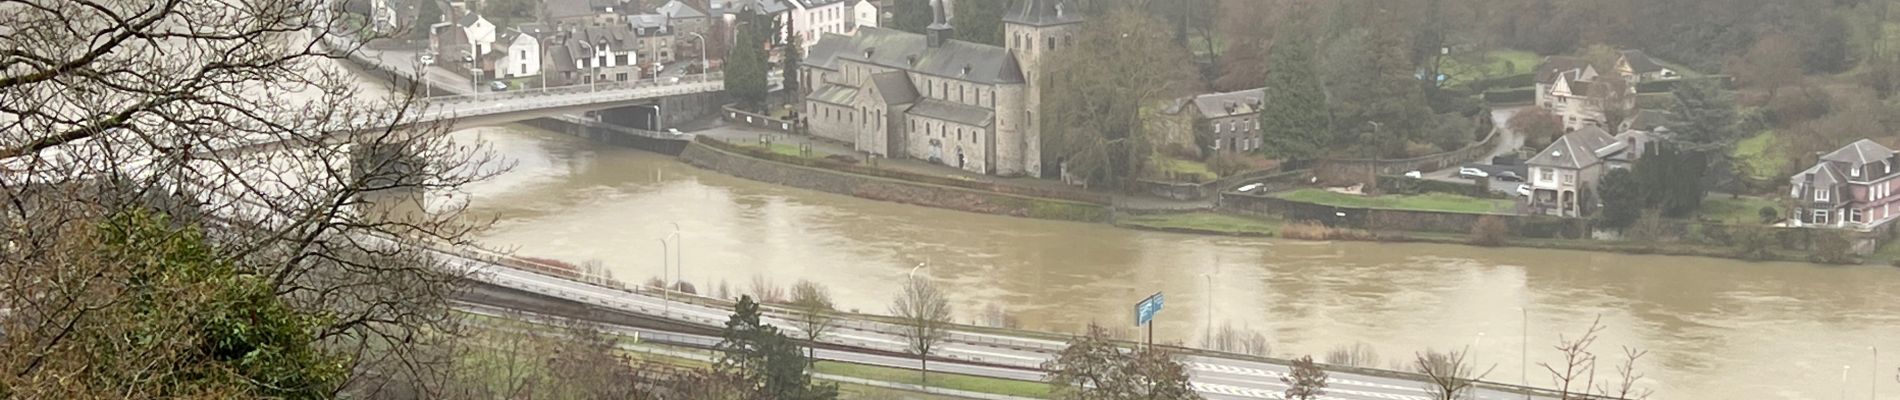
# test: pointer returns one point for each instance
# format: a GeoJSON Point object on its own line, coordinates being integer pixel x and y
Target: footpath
{"type": "Point", "coordinates": [743, 135]}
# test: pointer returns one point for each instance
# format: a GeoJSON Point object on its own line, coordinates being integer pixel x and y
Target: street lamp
{"type": "Point", "coordinates": [1524, 355]}
{"type": "Point", "coordinates": [679, 255]}
{"type": "Point", "coordinates": [1207, 337]}
{"type": "Point", "coordinates": [1873, 381]}
{"type": "Point", "coordinates": [666, 299]}
{"type": "Point", "coordinates": [1844, 369]}
{"type": "Point", "coordinates": [703, 48]}
{"type": "Point", "coordinates": [1474, 349]}
{"type": "Point", "coordinates": [913, 270]}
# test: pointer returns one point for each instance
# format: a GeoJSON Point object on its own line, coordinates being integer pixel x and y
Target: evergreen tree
{"type": "Point", "coordinates": [794, 88]}
{"type": "Point", "coordinates": [910, 15]}
{"type": "Point", "coordinates": [1702, 129]}
{"type": "Point", "coordinates": [1623, 199]}
{"type": "Point", "coordinates": [427, 14]}
{"type": "Point", "coordinates": [746, 62]}
{"type": "Point", "coordinates": [1301, 127]}
{"type": "Point", "coordinates": [766, 358]}
{"type": "Point", "coordinates": [981, 21]}
{"type": "Point", "coordinates": [1306, 381]}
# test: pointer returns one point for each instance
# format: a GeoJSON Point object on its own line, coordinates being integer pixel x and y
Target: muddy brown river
{"type": "Point", "coordinates": [1715, 329]}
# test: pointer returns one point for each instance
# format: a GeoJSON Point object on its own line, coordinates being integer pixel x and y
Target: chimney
{"type": "Point", "coordinates": [939, 30]}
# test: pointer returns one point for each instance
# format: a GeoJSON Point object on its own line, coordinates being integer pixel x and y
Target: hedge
{"type": "Point", "coordinates": [1512, 95]}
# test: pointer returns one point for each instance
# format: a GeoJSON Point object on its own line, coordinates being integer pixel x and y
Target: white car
{"type": "Point", "coordinates": [1473, 173]}
{"type": "Point", "coordinates": [1415, 175]}
{"type": "Point", "coordinates": [1524, 190]}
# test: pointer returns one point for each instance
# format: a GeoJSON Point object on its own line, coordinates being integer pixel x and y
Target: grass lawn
{"type": "Point", "coordinates": [780, 148]}
{"type": "Point", "coordinates": [1423, 202]}
{"type": "Point", "coordinates": [942, 380]}
{"type": "Point", "coordinates": [1757, 157]}
{"type": "Point", "coordinates": [1742, 210]}
{"type": "Point", "coordinates": [1206, 221]}
{"type": "Point", "coordinates": [1178, 170]}
{"type": "Point", "coordinates": [1503, 62]}
{"type": "Point", "coordinates": [1685, 71]}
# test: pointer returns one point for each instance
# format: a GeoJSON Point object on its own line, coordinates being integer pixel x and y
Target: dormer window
{"type": "Point", "coordinates": [1854, 172]}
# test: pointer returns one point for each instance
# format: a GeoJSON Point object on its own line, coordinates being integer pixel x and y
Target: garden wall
{"type": "Point", "coordinates": [735, 115]}
{"type": "Point", "coordinates": [708, 154]}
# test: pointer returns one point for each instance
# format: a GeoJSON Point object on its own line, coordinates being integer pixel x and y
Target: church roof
{"type": "Point", "coordinates": [955, 59]}
{"type": "Point", "coordinates": [677, 9]}
{"type": "Point", "coordinates": [953, 112]}
{"type": "Point", "coordinates": [1042, 13]}
{"type": "Point", "coordinates": [834, 94]}
{"type": "Point", "coordinates": [894, 87]}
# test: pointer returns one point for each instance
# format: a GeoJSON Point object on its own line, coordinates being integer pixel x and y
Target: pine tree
{"type": "Point", "coordinates": [1306, 381]}
{"type": "Point", "coordinates": [910, 15]}
{"type": "Point", "coordinates": [746, 62]}
{"type": "Point", "coordinates": [789, 67]}
{"type": "Point", "coordinates": [1301, 127]}
{"type": "Point", "coordinates": [427, 15]}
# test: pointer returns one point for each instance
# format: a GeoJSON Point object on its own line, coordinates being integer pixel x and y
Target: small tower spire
{"type": "Point", "coordinates": [939, 30]}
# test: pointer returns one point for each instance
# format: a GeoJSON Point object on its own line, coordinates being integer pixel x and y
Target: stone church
{"type": "Point", "coordinates": [928, 97]}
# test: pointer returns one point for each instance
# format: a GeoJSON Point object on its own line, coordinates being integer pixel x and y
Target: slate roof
{"type": "Point", "coordinates": [834, 94]}
{"type": "Point", "coordinates": [1553, 66]}
{"type": "Point", "coordinates": [1824, 175]}
{"type": "Point", "coordinates": [894, 87]}
{"type": "Point", "coordinates": [677, 9]}
{"type": "Point", "coordinates": [560, 59]}
{"type": "Point", "coordinates": [564, 9]}
{"type": "Point", "coordinates": [1575, 150]}
{"type": "Point", "coordinates": [1648, 120]}
{"type": "Point", "coordinates": [1215, 105]}
{"type": "Point", "coordinates": [956, 59]}
{"type": "Point", "coordinates": [953, 112]}
{"type": "Point", "coordinates": [1640, 62]}
{"type": "Point", "coordinates": [1042, 13]}
{"type": "Point", "coordinates": [1859, 153]}
{"type": "Point", "coordinates": [647, 21]}
{"type": "Point", "coordinates": [537, 30]}
{"type": "Point", "coordinates": [468, 19]}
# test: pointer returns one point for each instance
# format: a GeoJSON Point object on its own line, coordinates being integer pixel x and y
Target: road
{"type": "Point", "coordinates": [1507, 143]}
{"type": "Point", "coordinates": [967, 352]}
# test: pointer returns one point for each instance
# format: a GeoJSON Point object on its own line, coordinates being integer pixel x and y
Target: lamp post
{"type": "Point", "coordinates": [1873, 381]}
{"type": "Point", "coordinates": [1474, 349]}
{"type": "Point", "coordinates": [1844, 369]}
{"type": "Point", "coordinates": [1524, 353]}
{"type": "Point", "coordinates": [1207, 336]}
{"type": "Point", "coordinates": [913, 270]}
{"type": "Point", "coordinates": [666, 299]}
{"type": "Point", "coordinates": [679, 255]}
{"type": "Point", "coordinates": [703, 48]}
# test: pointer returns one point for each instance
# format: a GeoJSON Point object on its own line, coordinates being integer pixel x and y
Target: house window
{"type": "Point", "coordinates": [1543, 175]}
{"type": "Point", "coordinates": [1853, 172]}
{"type": "Point", "coordinates": [1217, 127]}
{"type": "Point", "coordinates": [1216, 144]}
{"type": "Point", "coordinates": [1820, 217]}
{"type": "Point", "coordinates": [1854, 216]}
{"type": "Point", "coordinates": [1820, 195]}
{"type": "Point", "coordinates": [1052, 43]}
{"type": "Point", "coordinates": [1570, 178]}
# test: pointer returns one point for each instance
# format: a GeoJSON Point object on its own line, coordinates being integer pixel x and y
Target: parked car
{"type": "Point", "coordinates": [674, 131]}
{"type": "Point", "coordinates": [1473, 173]}
{"type": "Point", "coordinates": [1414, 175]}
{"type": "Point", "coordinates": [498, 86]}
{"type": "Point", "coordinates": [1524, 190]}
{"type": "Point", "coordinates": [1510, 176]}
{"type": "Point", "coordinates": [427, 59]}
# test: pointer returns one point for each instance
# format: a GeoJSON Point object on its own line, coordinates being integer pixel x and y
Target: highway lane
{"type": "Point", "coordinates": [1219, 378]}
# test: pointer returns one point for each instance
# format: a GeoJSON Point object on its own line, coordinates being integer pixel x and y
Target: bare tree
{"type": "Point", "coordinates": [1357, 355]}
{"type": "Point", "coordinates": [298, 174]}
{"type": "Point", "coordinates": [1448, 375]}
{"type": "Point", "coordinates": [766, 291]}
{"type": "Point", "coordinates": [1093, 367]}
{"type": "Point", "coordinates": [1624, 387]}
{"type": "Point", "coordinates": [815, 314]}
{"type": "Point", "coordinates": [1579, 365]}
{"type": "Point", "coordinates": [925, 312]}
{"type": "Point", "coordinates": [1306, 381]}
{"type": "Point", "coordinates": [1239, 340]}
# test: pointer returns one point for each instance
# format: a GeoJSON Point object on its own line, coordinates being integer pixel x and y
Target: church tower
{"type": "Point", "coordinates": [1034, 30]}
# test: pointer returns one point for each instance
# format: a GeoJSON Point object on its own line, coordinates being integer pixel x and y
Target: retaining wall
{"type": "Point", "coordinates": [876, 188]}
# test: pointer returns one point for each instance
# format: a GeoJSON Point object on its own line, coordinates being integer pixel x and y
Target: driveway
{"type": "Point", "coordinates": [1507, 143]}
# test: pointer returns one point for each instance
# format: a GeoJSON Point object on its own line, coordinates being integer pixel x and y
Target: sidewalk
{"type": "Point", "coordinates": [748, 135]}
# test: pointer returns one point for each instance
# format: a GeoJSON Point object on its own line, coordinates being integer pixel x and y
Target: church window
{"type": "Point", "coordinates": [1052, 43]}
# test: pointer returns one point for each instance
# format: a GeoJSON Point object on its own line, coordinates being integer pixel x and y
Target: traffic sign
{"type": "Point", "coordinates": [1146, 309]}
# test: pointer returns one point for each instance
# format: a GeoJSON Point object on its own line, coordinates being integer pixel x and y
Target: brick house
{"type": "Point", "coordinates": [1848, 188]}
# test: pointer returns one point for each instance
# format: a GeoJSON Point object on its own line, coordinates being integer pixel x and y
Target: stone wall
{"type": "Point", "coordinates": [885, 189]}
{"type": "Point", "coordinates": [754, 120]}
{"type": "Point", "coordinates": [609, 134]}
{"type": "Point", "coordinates": [1375, 219]}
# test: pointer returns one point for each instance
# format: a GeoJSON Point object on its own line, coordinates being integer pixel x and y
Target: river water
{"type": "Point", "coordinates": [1714, 329]}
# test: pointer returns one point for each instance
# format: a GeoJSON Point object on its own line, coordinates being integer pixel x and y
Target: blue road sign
{"type": "Point", "coordinates": [1146, 309]}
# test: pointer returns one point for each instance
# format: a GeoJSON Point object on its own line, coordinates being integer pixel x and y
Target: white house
{"type": "Point", "coordinates": [863, 13]}
{"type": "Point", "coordinates": [812, 19]}
{"type": "Point", "coordinates": [480, 33]}
{"type": "Point", "coordinates": [524, 55]}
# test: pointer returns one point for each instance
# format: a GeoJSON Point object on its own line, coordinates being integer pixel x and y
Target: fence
{"type": "Point", "coordinates": [756, 120]}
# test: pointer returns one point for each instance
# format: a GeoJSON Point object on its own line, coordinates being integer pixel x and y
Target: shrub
{"type": "Point", "coordinates": [1227, 164]}
{"type": "Point", "coordinates": [1769, 214]}
{"type": "Point", "coordinates": [1831, 248]}
{"type": "Point", "coordinates": [1489, 231]}
{"type": "Point", "coordinates": [1753, 242]}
